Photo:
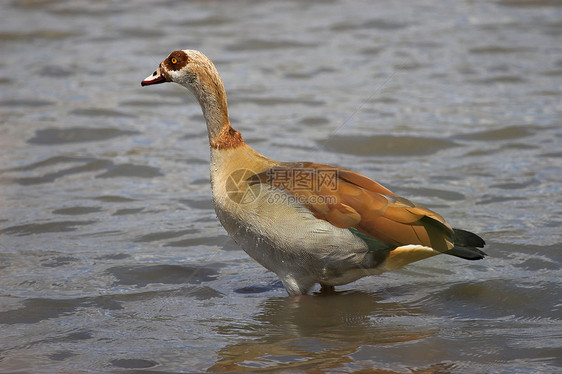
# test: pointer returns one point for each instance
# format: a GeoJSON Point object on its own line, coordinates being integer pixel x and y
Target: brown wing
{"type": "Point", "coordinates": [347, 199]}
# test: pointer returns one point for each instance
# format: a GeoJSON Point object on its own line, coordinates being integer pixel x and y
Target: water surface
{"type": "Point", "coordinates": [112, 258]}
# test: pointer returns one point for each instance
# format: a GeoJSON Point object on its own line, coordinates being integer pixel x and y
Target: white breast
{"type": "Point", "coordinates": [285, 237]}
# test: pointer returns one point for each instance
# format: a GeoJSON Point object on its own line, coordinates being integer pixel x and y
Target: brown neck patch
{"type": "Point", "coordinates": [228, 138]}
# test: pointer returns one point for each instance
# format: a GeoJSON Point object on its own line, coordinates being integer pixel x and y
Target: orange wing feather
{"type": "Point", "coordinates": [359, 202]}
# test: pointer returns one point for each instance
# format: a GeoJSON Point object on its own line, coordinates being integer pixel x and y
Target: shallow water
{"type": "Point", "coordinates": [112, 258]}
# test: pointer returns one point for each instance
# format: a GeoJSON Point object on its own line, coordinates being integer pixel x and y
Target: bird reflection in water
{"type": "Point", "coordinates": [320, 333]}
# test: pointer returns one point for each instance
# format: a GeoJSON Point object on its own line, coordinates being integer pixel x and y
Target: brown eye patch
{"type": "Point", "coordinates": [176, 60]}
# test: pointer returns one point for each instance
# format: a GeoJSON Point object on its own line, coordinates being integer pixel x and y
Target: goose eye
{"type": "Point", "coordinates": [174, 60]}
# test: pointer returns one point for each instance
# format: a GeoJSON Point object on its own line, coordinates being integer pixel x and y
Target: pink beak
{"type": "Point", "coordinates": [156, 78]}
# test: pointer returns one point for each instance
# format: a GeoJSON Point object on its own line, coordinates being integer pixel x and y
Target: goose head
{"type": "Point", "coordinates": [179, 66]}
{"type": "Point", "coordinates": [190, 68]}
{"type": "Point", "coordinates": [193, 70]}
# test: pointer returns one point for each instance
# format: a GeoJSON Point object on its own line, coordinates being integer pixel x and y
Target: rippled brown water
{"type": "Point", "coordinates": [111, 255]}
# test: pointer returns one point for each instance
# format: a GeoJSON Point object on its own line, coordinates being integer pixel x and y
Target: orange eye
{"type": "Point", "coordinates": [174, 60]}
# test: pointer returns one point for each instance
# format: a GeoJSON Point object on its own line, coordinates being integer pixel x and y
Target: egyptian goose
{"type": "Point", "coordinates": [308, 223]}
